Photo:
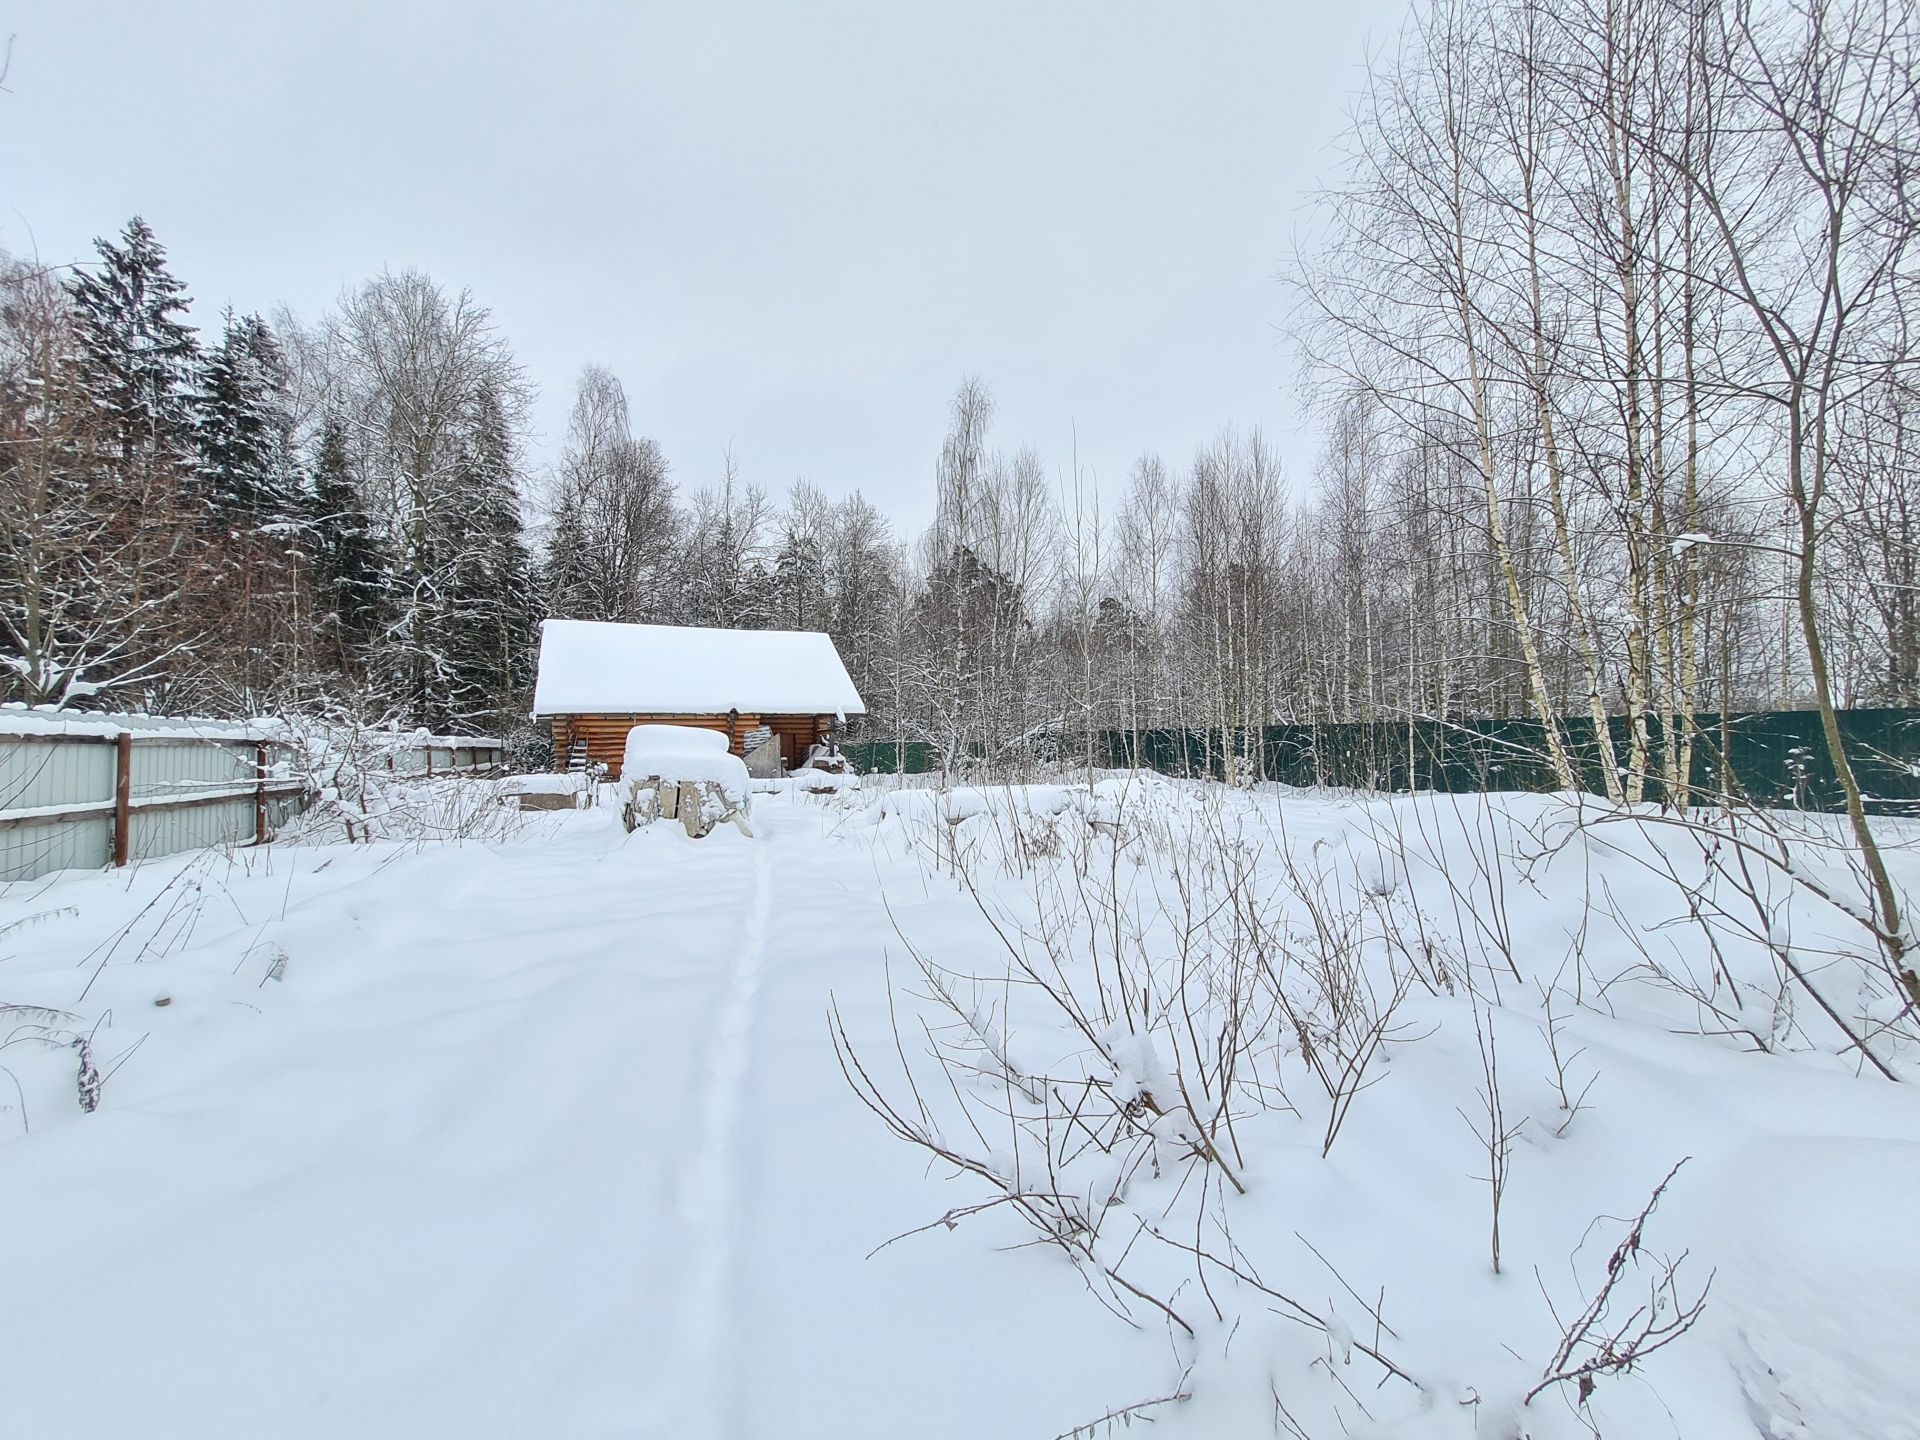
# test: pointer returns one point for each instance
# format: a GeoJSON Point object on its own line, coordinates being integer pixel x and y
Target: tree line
{"type": "Point", "coordinates": [1632, 284]}
{"type": "Point", "coordinates": [262, 519]}
{"type": "Point", "coordinates": [1606, 323]}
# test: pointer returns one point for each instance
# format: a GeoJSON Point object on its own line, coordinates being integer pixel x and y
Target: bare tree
{"type": "Point", "coordinates": [612, 524]}
{"type": "Point", "coordinates": [1804, 186]}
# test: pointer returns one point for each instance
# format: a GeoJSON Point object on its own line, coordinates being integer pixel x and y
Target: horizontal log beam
{"type": "Point", "coordinates": [603, 733]}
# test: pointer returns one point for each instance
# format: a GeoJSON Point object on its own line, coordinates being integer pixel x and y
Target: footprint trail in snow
{"type": "Point", "coordinates": [710, 1204]}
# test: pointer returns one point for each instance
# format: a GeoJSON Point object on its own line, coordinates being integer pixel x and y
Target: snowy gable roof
{"type": "Point", "coordinates": [591, 667]}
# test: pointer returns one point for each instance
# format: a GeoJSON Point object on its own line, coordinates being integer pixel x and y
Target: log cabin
{"type": "Point", "coordinates": [597, 680]}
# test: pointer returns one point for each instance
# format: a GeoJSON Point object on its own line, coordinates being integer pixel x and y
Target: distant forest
{"type": "Point", "coordinates": [1607, 318]}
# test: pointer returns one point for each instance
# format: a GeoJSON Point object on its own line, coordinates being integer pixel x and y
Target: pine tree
{"type": "Point", "coordinates": [563, 575]}
{"type": "Point", "coordinates": [242, 426]}
{"type": "Point", "coordinates": [800, 584]}
{"type": "Point", "coordinates": [128, 372]}
{"type": "Point", "coordinates": [349, 568]}
{"type": "Point", "coordinates": [75, 562]}
{"type": "Point", "coordinates": [490, 642]}
{"type": "Point", "coordinates": [134, 354]}
{"type": "Point", "coordinates": [247, 503]}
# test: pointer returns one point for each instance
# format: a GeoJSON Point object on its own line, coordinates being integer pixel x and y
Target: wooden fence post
{"type": "Point", "coordinates": [260, 793]}
{"type": "Point", "coordinates": [122, 794]}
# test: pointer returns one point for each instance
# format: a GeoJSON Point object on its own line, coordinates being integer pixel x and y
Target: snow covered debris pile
{"type": "Point", "coordinates": [683, 752]}
{"type": "Point", "coordinates": [684, 773]}
{"type": "Point", "coordinates": [545, 792]}
{"type": "Point", "coordinates": [826, 772]}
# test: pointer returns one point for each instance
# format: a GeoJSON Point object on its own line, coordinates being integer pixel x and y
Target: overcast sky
{"type": "Point", "coordinates": [791, 228]}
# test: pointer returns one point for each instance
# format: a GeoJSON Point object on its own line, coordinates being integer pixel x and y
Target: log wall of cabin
{"type": "Point", "coordinates": [606, 735]}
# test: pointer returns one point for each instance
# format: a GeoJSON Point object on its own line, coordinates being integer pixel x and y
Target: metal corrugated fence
{"type": "Point", "coordinates": [1776, 757]}
{"type": "Point", "coordinates": [127, 788]}
{"type": "Point", "coordinates": [47, 772]}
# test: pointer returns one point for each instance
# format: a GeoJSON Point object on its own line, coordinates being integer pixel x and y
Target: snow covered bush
{"type": "Point", "coordinates": [365, 789]}
{"type": "Point", "coordinates": [529, 746]}
{"type": "Point", "coordinates": [1790, 893]}
{"type": "Point", "coordinates": [1235, 1048]}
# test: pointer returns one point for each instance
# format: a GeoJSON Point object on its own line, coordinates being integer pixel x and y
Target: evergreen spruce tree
{"type": "Point", "coordinates": [242, 426]}
{"type": "Point", "coordinates": [799, 584]}
{"type": "Point", "coordinates": [134, 355]}
{"type": "Point", "coordinates": [490, 646]}
{"type": "Point", "coordinates": [562, 581]}
{"type": "Point", "coordinates": [130, 366]}
{"type": "Point", "coordinates": [350, 576]}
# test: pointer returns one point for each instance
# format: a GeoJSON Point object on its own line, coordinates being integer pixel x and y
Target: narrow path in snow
{"type": "Point", "coordinates": [710, 1204]}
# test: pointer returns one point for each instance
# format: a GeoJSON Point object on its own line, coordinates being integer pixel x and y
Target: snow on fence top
{"type": "Point", "coordinates": [45, 720]}
{"type": "Point", "coordinates": [423, 739]}
{"type": "Point", "coordinates": [591, 667]}
{"type": "Point", "coordinates": [18, 719]}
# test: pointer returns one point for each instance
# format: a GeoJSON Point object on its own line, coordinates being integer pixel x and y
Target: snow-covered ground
{"type": "Point", "coordinates": [546, 1132]}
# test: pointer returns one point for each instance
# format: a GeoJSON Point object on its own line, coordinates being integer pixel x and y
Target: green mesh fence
{"type": "Point", "coordinates": [1769, 757]}
{"type": "Point", "coordinates": [1776, 757]}
{"type": "Point", "coordinates": [886, 757]}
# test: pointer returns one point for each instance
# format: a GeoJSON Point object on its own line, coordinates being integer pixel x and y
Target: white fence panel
{"type": "Point", "coordinates": [50, 772]}
{"type": "Point", "coordinates": [152, 833]}
{"type": "Point", "coordinates": [53, 770]}
{"type": "Point", "coordinates": [172, 767]}
{"type": "Point", "coordinates": [186, 790]}
{"type": "Point", "coordinates": [175, 769]}
{"type": "Point", "coordinates": [413, 761]}
{"type": "Point", "coordinates": [30, 851]}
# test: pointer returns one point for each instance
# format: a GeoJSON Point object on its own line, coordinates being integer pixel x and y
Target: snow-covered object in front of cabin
{"type": "Point", "coordinates": [590, 667]}
{"type": "Point", "coordinates": [822, 773]}
{"type": "Point", "coordinates": [546, 784]}
{"type": "Point", "coordinates": [685, 753]}
{"type": "Point", "coordinates": [825, 782]}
